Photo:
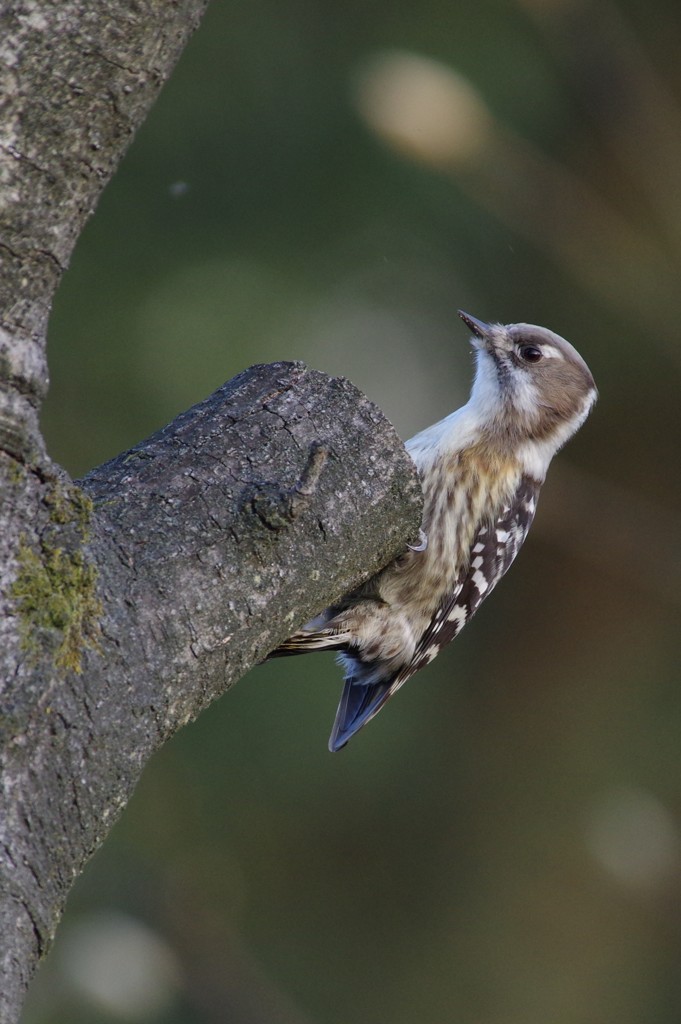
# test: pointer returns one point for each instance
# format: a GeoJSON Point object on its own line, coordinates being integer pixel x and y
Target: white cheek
{"type": "Point", "coordinates": [525, 396]}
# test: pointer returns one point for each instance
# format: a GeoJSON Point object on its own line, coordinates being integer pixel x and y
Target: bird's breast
{"type": "Point", "coordinates": [461, 493]}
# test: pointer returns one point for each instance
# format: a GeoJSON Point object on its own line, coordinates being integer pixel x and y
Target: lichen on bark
{"type": "Point", "coordinates": [56, 586]}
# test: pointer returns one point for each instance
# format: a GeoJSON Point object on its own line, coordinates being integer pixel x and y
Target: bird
{"type": "Point", "coordinates": [481, 469]}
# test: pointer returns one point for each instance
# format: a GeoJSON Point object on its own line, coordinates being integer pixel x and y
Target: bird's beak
{"type": "Point", "coordinates": [479, 328]}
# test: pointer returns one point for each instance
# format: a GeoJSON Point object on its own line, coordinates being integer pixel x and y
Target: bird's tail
{"type": "Point", "coordinates": [364, 691]}
{"type": "Point", "coordinates": [358, 704]}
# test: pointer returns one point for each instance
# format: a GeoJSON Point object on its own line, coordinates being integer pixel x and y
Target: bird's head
{"type": "Point", "coordinates": [530, 383]}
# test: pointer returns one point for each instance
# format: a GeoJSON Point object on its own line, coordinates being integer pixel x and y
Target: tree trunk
{"type": "Point", "coordinates": [130, 602]}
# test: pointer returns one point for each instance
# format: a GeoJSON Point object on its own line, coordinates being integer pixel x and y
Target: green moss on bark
{"type": "Point", "coordinates": [56, 587]}
{"type": "Point", "coordinates": [70, 505]}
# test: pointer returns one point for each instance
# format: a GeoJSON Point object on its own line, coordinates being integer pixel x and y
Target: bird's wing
{"type": "Point", "coordinates": [312, 640]}
{"type": "Point", "coordinates": [494, 548]}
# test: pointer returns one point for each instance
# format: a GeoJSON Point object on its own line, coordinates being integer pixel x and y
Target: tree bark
{"type": "Point", "coordinates": [128, 603]}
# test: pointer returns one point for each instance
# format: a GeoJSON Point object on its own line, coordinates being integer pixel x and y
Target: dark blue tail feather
{"type": "Point", "coordinates": [359, 703]}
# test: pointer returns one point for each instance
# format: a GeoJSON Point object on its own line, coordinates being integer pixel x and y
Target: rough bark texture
{"type": "Point", "coordinates": [127, 604]}
{"type": "Point", "coordinates": [76, 80]}
{"type": "Point", "coordinates": [137, 599]}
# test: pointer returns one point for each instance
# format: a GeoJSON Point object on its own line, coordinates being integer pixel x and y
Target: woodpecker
{"type": "Point", "coordinates": [481, 469]}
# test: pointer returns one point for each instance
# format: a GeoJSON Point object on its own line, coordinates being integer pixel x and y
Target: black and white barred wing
{"type": "Point", "coordinates": [494, 548]}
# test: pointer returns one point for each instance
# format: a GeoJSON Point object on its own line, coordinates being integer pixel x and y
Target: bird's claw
{"type": "Point", "coordinates": [422, 544]}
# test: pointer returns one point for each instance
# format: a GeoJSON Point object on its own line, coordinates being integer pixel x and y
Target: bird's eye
{"type": "Point", "coordinates": [530, 353]}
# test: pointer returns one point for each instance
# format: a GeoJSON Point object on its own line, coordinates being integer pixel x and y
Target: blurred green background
{"type": "Point", "coordinates": [329, 182]}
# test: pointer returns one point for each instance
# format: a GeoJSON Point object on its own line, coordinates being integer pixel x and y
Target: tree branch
{"type": "Point", "coordinates": [76, 80]}
{"type": "Point", "coordinates": [141, 597]}
{"type": "Point", "coordinates": [128, 603]}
